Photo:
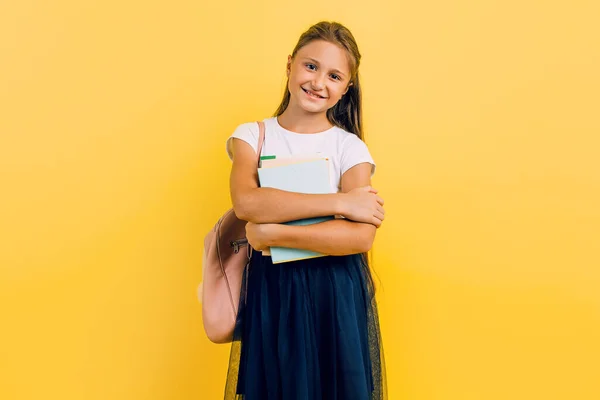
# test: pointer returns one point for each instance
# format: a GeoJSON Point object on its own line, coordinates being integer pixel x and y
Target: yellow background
{"type": "Point", "coordinates": [482, 117]}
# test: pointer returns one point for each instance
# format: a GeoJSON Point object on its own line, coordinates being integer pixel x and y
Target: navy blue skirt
{"type": "Point", "coordinates": [307, 330]}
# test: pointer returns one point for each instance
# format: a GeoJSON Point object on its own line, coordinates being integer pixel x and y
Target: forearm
{"type": "Point", "coordinates": [268, 205]}
{"type": "Point", "coordinates": [336, 237]}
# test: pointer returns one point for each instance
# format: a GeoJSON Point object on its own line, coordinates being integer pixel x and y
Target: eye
{"type": "Point", "coordinates": [312, 67]}
{"type": "Point", "coordinates": [336, 77]}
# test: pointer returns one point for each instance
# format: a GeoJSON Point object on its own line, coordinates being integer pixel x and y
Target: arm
{"type": "Point", "coordinates": [336, 237]}
{"type": "Point", "coordinates": [267, 205]}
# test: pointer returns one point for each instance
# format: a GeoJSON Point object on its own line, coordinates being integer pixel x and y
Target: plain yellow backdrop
{"type": "Point", "coordinates": [483, 118]}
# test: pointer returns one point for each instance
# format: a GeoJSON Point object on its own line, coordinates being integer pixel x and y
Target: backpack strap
{"type": "Point", "coordinates": [261, 139]}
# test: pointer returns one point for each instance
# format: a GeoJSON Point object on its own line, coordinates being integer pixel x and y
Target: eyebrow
{"type": "Point", "coordinates": [337, 71]}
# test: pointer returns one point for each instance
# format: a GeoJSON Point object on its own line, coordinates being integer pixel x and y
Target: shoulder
{"type": "Point", "coordinates": [247, 132]}
{"type": "Point", "coordinates": [251, 128]}
{"type": "Point", "coordinates": [349, 141]}
{"type": "Point", "coordinates": [247, 128]}
{"type": "Point", "coordinates": [354, 151]}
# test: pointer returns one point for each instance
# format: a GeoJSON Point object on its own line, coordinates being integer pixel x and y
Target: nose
{"type": "Point", "coordinates": [318, 82]}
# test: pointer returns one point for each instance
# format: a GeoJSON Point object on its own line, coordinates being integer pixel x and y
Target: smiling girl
{"type": "Point", "coordinates": [309, 329]}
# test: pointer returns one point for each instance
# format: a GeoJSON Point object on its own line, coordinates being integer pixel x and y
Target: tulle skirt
{"type": "Point", "coordinates": [307, 330]}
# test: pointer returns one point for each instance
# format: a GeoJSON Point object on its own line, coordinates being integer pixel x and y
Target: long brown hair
{"type": "Point", "coordinates": [347, 113]}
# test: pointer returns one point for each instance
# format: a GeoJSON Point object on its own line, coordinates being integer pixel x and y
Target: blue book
{"type": "Point", "coordinates": [311, 177]}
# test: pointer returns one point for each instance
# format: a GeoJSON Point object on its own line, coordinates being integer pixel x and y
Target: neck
{"type": "Point", "coordinates": [298, 120]}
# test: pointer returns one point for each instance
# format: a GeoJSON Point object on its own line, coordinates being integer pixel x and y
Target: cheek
{"type": "Point", "coordinates": [297, 76]}
{"type": "Point", "coordinates": [292, 80]}
{"type": "Point", "coordinates": [337, 93]}
{"type": "Point", "coordinates": [292, 83]}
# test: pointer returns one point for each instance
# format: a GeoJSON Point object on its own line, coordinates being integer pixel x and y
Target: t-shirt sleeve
{"type": "Point", "coordinates": [247, 132]}
{"type": "Point", "coordinates": [354, 152]}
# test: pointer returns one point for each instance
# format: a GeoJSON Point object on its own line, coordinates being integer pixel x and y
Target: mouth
{"type": "Point", "coordinates": [312, 94]}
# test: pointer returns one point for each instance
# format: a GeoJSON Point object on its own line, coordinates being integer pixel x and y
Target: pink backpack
{"type": "Point", "coordinates": [226, 255]}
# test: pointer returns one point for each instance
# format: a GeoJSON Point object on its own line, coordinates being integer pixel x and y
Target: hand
{"type": "Point", "coordinates": [257, 235]}
{"type": "Point", "coordinates": [363, 205]}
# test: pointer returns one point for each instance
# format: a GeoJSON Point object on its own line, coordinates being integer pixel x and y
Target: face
{"type": "Point", "coordinates": [319, 75]}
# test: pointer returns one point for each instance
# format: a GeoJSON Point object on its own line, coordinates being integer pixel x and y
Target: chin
{"type": "Point", "coordinates": [313, 109]}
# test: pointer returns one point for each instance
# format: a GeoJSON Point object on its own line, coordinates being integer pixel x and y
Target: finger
{"type": "Point", "coordinates": [370, 189]}
{"type": "Point", "coordinates": [376, 221]}
{"type": "Point", "coordinates": [380, 209]}
{"type": "Point", "coordinates": [379, 216]}
{"type": "Point", "coordinates": [379, 200]}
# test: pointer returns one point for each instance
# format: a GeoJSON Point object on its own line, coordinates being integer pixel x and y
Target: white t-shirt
{"type": "Point", "coordinates": [343, 148]}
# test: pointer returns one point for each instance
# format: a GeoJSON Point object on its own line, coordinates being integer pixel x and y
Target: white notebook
{"type": "Point", "coordinates": [300, 176]}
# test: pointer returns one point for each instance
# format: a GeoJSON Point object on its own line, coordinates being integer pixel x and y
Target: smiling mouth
{"type": "Point", "coordinates": [314, 95]}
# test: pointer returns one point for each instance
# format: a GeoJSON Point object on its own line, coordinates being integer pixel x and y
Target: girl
{"type": "Point", "coordinates": [309, 329]}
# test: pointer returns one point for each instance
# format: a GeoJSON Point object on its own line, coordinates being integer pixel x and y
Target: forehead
{"type": "Point", "coordinates": [329, 55]}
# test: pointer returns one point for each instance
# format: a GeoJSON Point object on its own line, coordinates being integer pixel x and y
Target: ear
{"type": "Point", "coordinates": [348, 87]}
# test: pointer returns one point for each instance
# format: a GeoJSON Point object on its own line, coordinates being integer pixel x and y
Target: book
{"type": "Point", "coordinates": [272, 161]}
{"type": "Point", "coordinates": [301, 175]}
